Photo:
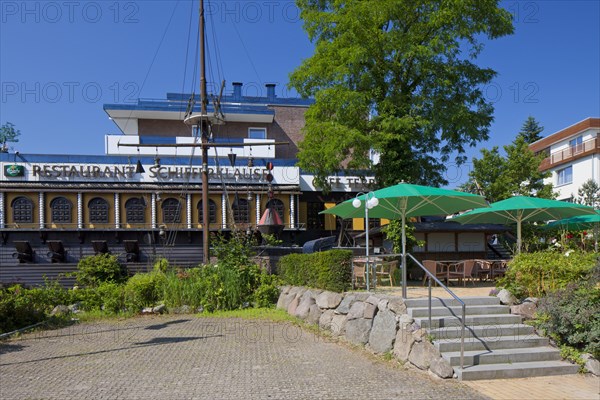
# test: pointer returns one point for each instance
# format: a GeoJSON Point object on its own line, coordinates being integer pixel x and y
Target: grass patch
{"type": "Point", "coordinates": [271, 314]}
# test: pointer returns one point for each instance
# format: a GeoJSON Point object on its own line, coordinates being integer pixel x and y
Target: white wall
{"type": "Point", "coordinates": [583, 170]}
{"type": "Point", "coordinates": [440, 242]}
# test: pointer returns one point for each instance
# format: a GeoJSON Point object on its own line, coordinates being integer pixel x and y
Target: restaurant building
{"type": "Point", "coordinates": [142, 198]}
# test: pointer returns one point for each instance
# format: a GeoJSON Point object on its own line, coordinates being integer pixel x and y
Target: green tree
{"type": "Point", "coordinates": [530, 131]}
{"type": "Point", "coordinates": [396, 77]}
{"type": "Point", "coordinates": [487, 176]}
{"type": "Point", "coordinates": [522, 173]}
{"type": "Point", "coordinates": [589, 194]}
{"type": "Point", "coordinates": [8, 133]}
{"type": "Point", "coordinates": [499, 177]}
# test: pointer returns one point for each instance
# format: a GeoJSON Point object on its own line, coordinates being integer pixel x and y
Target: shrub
{"type": "Point", "coordinates": [535, 274]}
{"type": "Point", "coordinates": [571, 316]}
{"type": "Point", "coordinates": [183, 287]}
{"type": "Point", "coordinates": [93, 270]}
{"type": "Point", "coordinates": [267, 293]}
{"type": "Point", "coordinates": [328, 270]}
{"type": "Point", "coordinates": [143, 290]}
{"type": "Point", "coordinates": [17, 310]}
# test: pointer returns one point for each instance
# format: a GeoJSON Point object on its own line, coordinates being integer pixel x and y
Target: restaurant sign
{"type": "Point", "coordinates": [13, 170]}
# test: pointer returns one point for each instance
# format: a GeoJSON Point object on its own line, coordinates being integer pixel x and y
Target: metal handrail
{"type": "Point", "coordinates": [462, 320]}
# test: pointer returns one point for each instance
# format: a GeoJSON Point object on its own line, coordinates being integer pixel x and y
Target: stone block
{"type": "Point", "coordinates": [346, 303]}
{"type": "Point", "coordinates": [325, 320]}
{"type": "Point", "coordinates": [423, 354]}
{"type": "Point", "coordinates": [358, 330]}
{"type": "Point", "coordinates": [357, 310]}
{"type": "Point", "coordinates": [328, 300]}
{"type": "Point", "coordinates": [338, 324]}
{"type": "Point", "coordinates": [383, 332]}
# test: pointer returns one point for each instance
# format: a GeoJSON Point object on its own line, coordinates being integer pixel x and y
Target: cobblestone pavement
{"type": "Point", "coordinates": [185, 357]}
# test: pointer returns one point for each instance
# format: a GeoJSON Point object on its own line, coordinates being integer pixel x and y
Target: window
{"type": "Point", "coordinates": [241, 213]}
{"type": "Point", "coordinates": [171, 209]}
{"type": "Point", "coordinates": [98, 210]}
{"type": "Point", "coordinates": [576, 144]}
{"type": "Point", "coordinates": [61, 210]}
{"type": "Point", "coordinates": [212, 212]}
{"type": "Point", "coordinates": [278, 206]}
{"type": "Point", "coordinates": [564, 176]}
{"type": "Point", "coordinates": [257, 133]}
{"type": "Point", "coordinates": [314, 220]}
{"type": "Point", "coordinates": [22, 210]}
{"type": "Point", "coordinates": [135, 211]}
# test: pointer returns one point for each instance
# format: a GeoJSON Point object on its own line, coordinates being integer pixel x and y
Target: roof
{"type": "Point", "coordinates": [178, 102]}
{"type": "Point", "coordinates": [564, 134]}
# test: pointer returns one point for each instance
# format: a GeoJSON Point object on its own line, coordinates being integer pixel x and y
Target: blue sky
{"type": "Point", "coordinates": [61, 61]}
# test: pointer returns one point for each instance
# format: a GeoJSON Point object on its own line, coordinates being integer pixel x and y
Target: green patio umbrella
{"type": "Point", "coordinates": [579, 223]}
{"type": "Point", "coordinates": [521, 209]}
{"type": "Point", "coordinates": [405, 200]}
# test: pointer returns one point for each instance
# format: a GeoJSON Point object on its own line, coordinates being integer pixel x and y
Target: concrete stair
{"type": "Point", "coordinates": [497, 344]}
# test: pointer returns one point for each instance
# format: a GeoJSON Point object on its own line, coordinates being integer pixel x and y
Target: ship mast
{"type": "Point", "coordinates": [204, 131]}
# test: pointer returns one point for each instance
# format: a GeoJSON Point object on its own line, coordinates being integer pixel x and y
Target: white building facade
{"type": "Point", "coordinates": [573, 157]}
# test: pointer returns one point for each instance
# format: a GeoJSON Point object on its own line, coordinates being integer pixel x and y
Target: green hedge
{"type": "Point", "coordinates": [537, 274]}
{"type": "Point", "coordinates": [328, 270]}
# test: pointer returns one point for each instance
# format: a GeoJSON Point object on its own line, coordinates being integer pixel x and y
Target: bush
{"type": "Point", "coordinates": [143, 290]}
{"type": "Point", "coordinates": [93, 270]}
{"type": "Point", "coordinates": [328, 270]}
{"type": "Point", "coordinates": [535, 274]}
{"type": "Point", "coordinates": [17, 309]}
{"type": "Point", "coordinates": [571, 316]}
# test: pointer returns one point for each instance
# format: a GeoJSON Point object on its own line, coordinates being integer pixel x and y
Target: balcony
{"type": "Point", "coordinates": [571, 153]}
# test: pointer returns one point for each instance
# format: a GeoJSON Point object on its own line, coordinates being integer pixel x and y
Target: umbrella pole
{"type": "Point", "coordinates": [519, 233]}
{"type": "Point", "coordinates": [404, 294]}
{"type": "Point", "coordinates": [368, 267]}
{"type": "Point", "coordinates": [596, 237]}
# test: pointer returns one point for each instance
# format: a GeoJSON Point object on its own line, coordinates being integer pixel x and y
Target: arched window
{"type": "Point", "coordinates": [212, 212]}
{"type": "Point", "coordinates": [135, 211]}
{"type": "Point", "coordinates": [171, 209]}
{"type": "Point", "coordinates": [278, 206]}
{"type": "Point", "coordinates": [98, 208]}
{"type": "Point", "coordinates": [241, 214]}
{"type": "Point", "coordinates": [61, 210]}
{"type": "Point", "coordinates": [22, 210]}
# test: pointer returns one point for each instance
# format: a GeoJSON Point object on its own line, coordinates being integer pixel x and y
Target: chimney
{"type": "Point", "coordinates": [270, 91]}
{"type": "Point", "coordinates": [237, 91]}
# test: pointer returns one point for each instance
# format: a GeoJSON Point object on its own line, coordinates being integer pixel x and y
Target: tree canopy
{"type": "Point", "coordinates": [499, 177]}
{"type": "Point", "coordinates": [398, 78]}
{"type": "Point", "coordinates": [531, 130]}
{"type": "Point", "coordinates": [589, 194]}
{"type": "Point", "coordinates": [8, 133]}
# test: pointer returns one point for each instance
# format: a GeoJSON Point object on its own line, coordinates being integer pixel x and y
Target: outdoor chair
{"type": "Point", "coordinates": [499, 268]}
{"type": "Point", "coordinates": [482, 270]}
{"type": "Point", "coordinates": [100, 247]}
{"type": "Point", "coordinates": [358, 274]}
{"type": "Point", "coordinates": [462, 271]}
{"type": "Point", "coordinates": [132, 251]}
{"type": "Point", "coordinates": [24, 251]}
{"type": "Point", "coordinates": [385, 271]}
{"type": "Point", "coordinates": [432, 267]}
{"type": "Point", "coordinates": [57, 251]}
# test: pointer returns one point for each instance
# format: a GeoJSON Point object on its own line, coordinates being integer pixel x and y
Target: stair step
{"type": "Point", "coordinates": [503, 356]}
{"type": "Point", "coordinates": [437, 302]}
{"type": "Point", "coordinates": [484, 332]}
{"type": "Point", "coordinates": [471, 320]}
{"type": "Point", "coordinates": [516, 370]}
{"type": "Point", "coordinates": [457, 311]}
{"type": "Point", "coordinates": [504, 342]}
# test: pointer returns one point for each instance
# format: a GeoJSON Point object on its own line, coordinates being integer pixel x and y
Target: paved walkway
{"type": "Point", "coordinates": [184, 357]}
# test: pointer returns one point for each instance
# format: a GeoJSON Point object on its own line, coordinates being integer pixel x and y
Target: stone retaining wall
{"type": "Point", "coordinates": [378, 322]}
